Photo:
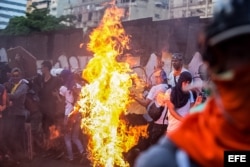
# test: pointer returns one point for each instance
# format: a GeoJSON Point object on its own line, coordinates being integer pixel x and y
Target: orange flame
{"type": "Point", "coordinates": [54, 135]}
{"type": "Point", "coordinates": [54, 132]}
{"type": "Point", "coordinates": [106, 96]}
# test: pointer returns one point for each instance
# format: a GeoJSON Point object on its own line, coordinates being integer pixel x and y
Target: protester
{"type": "Point", "coordinates": [203, 137]}
{"type": "Point", "coordinates": [48, 97]}
{"type": "Point", "coordinates": [157, 126]}
{"type": "Point", "coordinates": [18, 114]}
{"type": "Point", "coordinates": [201, 88]}
{"type": "Point", "coordinates": [177, 63]}
{"type": "Point", "coordinates": [32, 104]}
{"type": "Point", "coordinates": [179, 101]}
{"type": "Point", "coordinates": [71, 123]}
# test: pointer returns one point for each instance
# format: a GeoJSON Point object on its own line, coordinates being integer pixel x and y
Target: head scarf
{"type": "Point", "coordinates": [178, 97]}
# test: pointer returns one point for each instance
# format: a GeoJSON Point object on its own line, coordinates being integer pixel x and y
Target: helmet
{"type": "Point", "coordinates": [231, 20]}
{"type": "Point", "coordinates": [177, 56]}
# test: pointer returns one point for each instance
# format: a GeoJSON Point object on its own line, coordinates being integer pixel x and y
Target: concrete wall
{"type": "Point", "coordinates": [147, 37]}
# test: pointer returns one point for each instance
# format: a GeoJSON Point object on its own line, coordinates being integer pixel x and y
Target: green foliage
{"type": "Point", "coordinates": [37, 21]}
{"type": "Point", "coordinates": [17, 26]}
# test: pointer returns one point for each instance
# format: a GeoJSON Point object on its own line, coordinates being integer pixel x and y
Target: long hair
{"type": "Point", "coordinates": [67, 79]}
{"type": "Point", "coordinates": [178, 97]}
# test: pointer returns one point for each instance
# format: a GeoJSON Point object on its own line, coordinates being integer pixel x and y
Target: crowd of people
{"type": "Point", "coordinates": [222, 124]}
{"type": "Point", "coordinates": [44, 102]}
{"type": "Point", "coordinates": [167, 102]}
{"type": "Point", "coordinates": [176, 136]}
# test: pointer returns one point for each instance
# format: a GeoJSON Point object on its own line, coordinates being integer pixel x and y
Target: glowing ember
{"type": "Point", "coordinates": [54, 132]}
{"type": "Point", "coordinates": [106, 96]}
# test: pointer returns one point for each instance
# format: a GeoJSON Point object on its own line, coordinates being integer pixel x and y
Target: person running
{"type": "Point", "coordinates": [179, 101]}
{"type": "Point", "coordinates": [158, 125]}
{"type": "Point", "coordinates": [71, 127]}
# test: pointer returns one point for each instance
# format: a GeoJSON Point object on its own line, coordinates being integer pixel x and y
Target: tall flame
{"type": "Point", "coordinates": [106, 96]}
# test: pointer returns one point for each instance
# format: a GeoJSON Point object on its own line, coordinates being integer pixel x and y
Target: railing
{"type": "Point", "coordinates": [193, 3]}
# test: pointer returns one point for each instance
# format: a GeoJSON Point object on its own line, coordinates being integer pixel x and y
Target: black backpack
{"type": "Point", "coordinates": [155, 112]}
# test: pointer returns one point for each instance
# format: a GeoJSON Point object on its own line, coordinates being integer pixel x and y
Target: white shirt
{"type": "Point", "coordinates": [173, 123]}
{"type": "Point", "coordinates": [171, 77]}
{"type": "Point", "coordinates": [69, 99]}
{"type": "Point", "coordinates": [160, 88]}
{"type": "Point", "coordinates": [152, 94]}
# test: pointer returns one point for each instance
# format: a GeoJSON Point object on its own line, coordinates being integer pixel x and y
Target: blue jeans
{"type": "Point", "coordinates": [72, 130]}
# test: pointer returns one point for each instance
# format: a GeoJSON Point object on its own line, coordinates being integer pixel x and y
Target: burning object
{"type": "Point", "coordinates": [105, 98]}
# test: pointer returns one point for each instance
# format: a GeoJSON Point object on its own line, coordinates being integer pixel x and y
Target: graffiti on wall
{"type": "Point", "coordinates": [3, 55]}
{"type": "Point", "coordinates": [73, 63]}
{"type": "Point", "coordinates": [78, 63]}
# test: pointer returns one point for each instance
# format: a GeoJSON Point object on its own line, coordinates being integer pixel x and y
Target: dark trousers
{"type": "Point", "coordinates": [4, 131]}
{"type": "Point", "coordinates": [2, 143]}
{"type": "Point", "coordinates": [155, 132]}
{"type": "Point", "coordinates": [48, 119]}
{"type": "Point", "coordinates": [16, 134]}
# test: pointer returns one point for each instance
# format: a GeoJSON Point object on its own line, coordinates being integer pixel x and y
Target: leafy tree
{"type": "Point", "coordinates": [37, 21]}
{"type": "Point", "coordinates": [17, 26]}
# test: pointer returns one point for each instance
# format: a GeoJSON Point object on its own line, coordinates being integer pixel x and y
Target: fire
{"type": "Point", "coordinates": [54, 136]}
{"type": "Point", "coordinates": [54, 132]}
{"type": "Point", "coordinates": [105, 98]}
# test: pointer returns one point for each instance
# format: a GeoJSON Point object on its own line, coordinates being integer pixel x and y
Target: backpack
{"type": "Point", "coordinates": [155, 112]}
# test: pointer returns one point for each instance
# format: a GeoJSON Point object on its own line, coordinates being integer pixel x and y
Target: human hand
{"type": "Point", "coordinates": [160, 98]}
{"type": "Point", "coordinates": [198, 100]}
{"type": "Point", "coordinates": [166, 97]}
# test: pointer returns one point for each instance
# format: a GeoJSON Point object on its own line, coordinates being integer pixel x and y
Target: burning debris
{"type": "Point", "coordinates": [105, 98]}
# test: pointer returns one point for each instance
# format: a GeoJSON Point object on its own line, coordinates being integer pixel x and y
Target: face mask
{"type": "Point", "coordinates": [232, 94]}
